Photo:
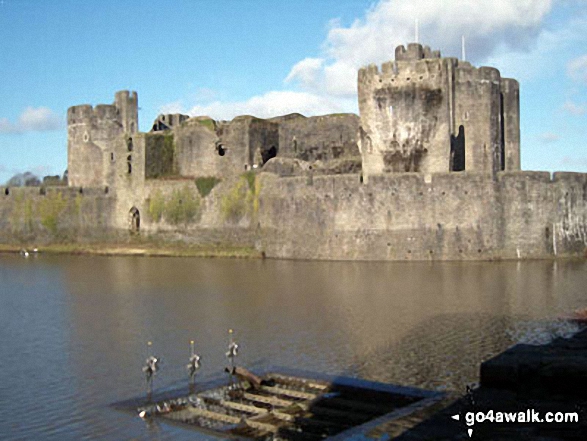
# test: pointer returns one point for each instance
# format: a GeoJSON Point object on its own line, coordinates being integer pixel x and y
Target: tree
{"type": "Point", "coordinates": [26, 179]}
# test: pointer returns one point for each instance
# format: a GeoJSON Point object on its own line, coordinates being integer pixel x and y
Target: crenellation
{"type": "Point", "coordinates": [415, 51]}
{"type": "Point", "coordinates": [389, 68]}
{"type": "Point", "coordinates": [79, 114]}
{"type": "Point", "coordinates": [489, 73]}
{"type": "Point", "coordinates": [104, 112]}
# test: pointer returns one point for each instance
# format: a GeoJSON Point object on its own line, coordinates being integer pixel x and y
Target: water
{"type": "Point", "coordinates": [73, 329]}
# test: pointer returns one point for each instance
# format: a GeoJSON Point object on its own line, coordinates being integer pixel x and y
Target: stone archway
{"type": "Point", "coordinates": [134, 220]}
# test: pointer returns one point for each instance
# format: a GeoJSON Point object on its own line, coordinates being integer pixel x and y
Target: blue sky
{"type": "Point", "coordinates": [268, 57]}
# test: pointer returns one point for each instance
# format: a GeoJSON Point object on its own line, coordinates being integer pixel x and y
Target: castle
{"type": "Point", "coordinates": [430, 170]}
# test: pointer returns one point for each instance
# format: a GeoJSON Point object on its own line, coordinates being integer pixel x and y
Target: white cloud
{"type": "Point", "coordinates": [329, 81]}
{"type": "Point", "coordinates": [307, 72]}
{"type": "Point", "coordinates": [548, 137]}
{"type": "Point", "coordinates": [274, 103]}
{"type": "Point", "coordinates": [487, 24]}
{"type": "Point", "coordinates": [174, 107]}
{"type": "Point", "coordinates": [574, 162]}
{"type": "Point", "coordinates": [32, 119]}
{"type": "Point", "coordinates": [577, 69]}
{"type": "Point", "coordinates": [575, 109]}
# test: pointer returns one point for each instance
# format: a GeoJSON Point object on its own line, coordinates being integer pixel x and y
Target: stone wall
{"type": "Point", "coordinates": [161, 159]}
{"type": "Point", "coordinates": [409, 216]}
{"type": "Point", "coordinates": [55, 214]}
{"type": "Point", "coordinates": [405, 116]}
{"type": "Point", "coordinates": [318, 138]}
{"type": "Point", "coordinates": [197, 152]}
{"type": "Point", "coordinates": [416, 217]}
{"type": "Point", "coordinates": [181, 209]}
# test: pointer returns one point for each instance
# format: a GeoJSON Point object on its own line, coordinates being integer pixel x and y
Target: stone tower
{"type": "Point", "coordinates": [91, 137]}
{"type": "Point", "coordinates": [127, 104]}
{"type": "Point", "coordinates": [424, 113]}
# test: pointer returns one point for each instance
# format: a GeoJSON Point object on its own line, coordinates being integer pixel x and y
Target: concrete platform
{"type": "Point", "coordinates": [549, 378]}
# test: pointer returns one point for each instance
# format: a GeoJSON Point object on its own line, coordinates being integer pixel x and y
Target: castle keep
{"type": "Point", "coordinates": [429, 170]}
{"type": "Point", "coordinates": [423, 113]}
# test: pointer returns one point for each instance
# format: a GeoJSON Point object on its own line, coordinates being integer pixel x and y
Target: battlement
{"type": "Point", "coordinates": [418, 63]}
{"type": "Point", "coordinates": [510, 84]}
{"type": "Point", "coordinates": [415, 51]}
{"type": "Point", "coordinates": [127, 103]}
{"type": "Point", "coordinates": [467, 72]}
{"type": "Point", "coordinates": [106, 111]}
{"type": "Point", "coordinates": [125, 95]}
{"type": "Point", "coordinates": [124, 111]}
{"type": "Point", "coordinates": [393, 73]}
{"type": "Point", "coordinates": [81, 114]}
{"type": "Point", "coordinates": [86, 114]}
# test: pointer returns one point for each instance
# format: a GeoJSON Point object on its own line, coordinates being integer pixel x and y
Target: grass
{"type": "Point", "coordinates": [208, 123]}
{"type": "Point", "coordinates": [145, 248]}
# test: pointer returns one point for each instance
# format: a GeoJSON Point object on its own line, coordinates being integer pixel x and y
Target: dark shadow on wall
{"type": "Point", "coordinates": [457, 150]}
{"type": "Point", "coordinates": [266, 155]}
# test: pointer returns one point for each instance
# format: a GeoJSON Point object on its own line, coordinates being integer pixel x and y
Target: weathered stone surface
{"type": "Point", "coordinates": [410, 216]}
{"type": "Point", "coordinates": [423, 113]}
{"type": "Point", "coordinates": [286, 166]}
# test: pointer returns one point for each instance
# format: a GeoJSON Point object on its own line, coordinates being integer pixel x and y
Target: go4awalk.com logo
{"type": "Point", "coordinates": [529, 416]}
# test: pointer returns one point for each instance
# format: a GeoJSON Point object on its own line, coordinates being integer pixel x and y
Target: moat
{"type": "Point", "coordinates": [74, 328]}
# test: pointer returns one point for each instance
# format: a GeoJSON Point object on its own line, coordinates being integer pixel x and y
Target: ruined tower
{"type": "Point", "coordinates": [91, 136]}
{"type": "Point", "coordinates": [127, 104]}
{"type": "Point", "coordinates": [424, 113]}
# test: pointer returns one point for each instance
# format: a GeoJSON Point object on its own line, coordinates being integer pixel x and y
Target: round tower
{"type": "Point", "coordinates": [91, 134]}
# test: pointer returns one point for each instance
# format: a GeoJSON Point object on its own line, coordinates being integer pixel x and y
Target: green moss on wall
{"type": "Point", "coordinates": [250, 178]}
{"type": "Point", "coordinates": [256, 194]}
{"type": "Point", "coordinates": [78, 204]}
{"type": "Point", "coordinates": [160, 155]}
{"type": "Point", "coordinates": [182, 207]}
{"type": "Point", "coordinates": [242, 199]}
{"type": "Point", "coordinates": [28, 215]}
{"type": "Point", "coordinates": [156, 206]}
{"type": "Point", "coordinates": [233, 204]}
{"type": "Point", "coordinates": [50, 209]}
{"type": "Point", "coordinates": [206, 184]}
{"type": "Point", "coordinates": [208, 123]}
{"type": "Point", "coordinates": [17, 212]}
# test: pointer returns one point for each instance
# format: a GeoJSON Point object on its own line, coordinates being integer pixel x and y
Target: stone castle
{"type": "Point", "coordinates": [430, 170]}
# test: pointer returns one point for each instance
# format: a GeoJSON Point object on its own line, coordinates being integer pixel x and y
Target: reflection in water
{"type": "Point", "coordinates": [88, 320]}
